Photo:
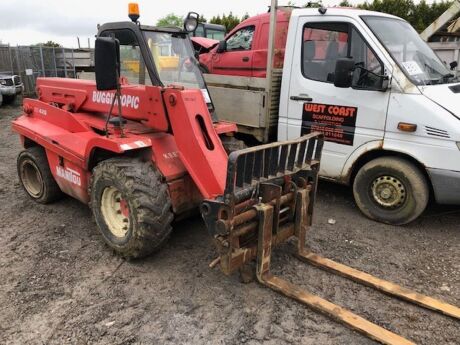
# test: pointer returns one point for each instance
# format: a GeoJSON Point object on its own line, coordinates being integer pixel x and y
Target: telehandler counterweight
{"type": "Point", "coordinates": [141, 147]}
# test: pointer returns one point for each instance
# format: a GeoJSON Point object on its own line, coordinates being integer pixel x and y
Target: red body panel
{"type": "Point", "coordinates": [199, 146]}
{"type": "Point", "coordinates": [139, 102]}
{"type": "Point", "coordinates": [174, 125]}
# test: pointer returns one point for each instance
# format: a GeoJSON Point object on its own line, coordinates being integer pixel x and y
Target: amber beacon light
{"type": "Point", "coordinates": [133, 11]}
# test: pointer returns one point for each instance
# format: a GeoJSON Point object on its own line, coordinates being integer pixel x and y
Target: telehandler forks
{"type": "Point", "coordinates": [268, 199]}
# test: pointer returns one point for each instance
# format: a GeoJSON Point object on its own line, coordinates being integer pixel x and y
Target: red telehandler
{"type": "Point", "coordinates": [141, 146]}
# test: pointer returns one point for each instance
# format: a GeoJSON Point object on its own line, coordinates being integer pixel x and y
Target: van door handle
{"type": "Point", "coordinates": [245, 58]}
{"type": "Point", "coordinates": [301, 98]}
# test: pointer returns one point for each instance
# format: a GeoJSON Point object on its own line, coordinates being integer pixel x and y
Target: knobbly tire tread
{"type": "Point", "coordinates": [413, 179]}
{"type": "Point", "coordinates": [149, 205]}
{"type": "Point", "coordinates": [51, 192]}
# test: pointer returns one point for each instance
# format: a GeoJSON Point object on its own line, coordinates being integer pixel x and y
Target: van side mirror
{"type": "Point", "coordinates": [453, 65]}
{"type": "Point", "coordinates": [107, 63]}
{"type": "Point", "coordinates": [343, 72]}
{"type": "Point", "coordinates": [222, 46]}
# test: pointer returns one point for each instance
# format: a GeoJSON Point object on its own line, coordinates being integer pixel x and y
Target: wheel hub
{"type": "Point", "coordinates": [115, 211]}
{"type": "Point", "coordinates": [388, 191]}
{"type": "Point", "coordinates": [31, 178]}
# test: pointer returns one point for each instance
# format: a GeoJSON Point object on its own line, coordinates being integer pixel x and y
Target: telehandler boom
{"type": "Point", "coordinates": [141, 148]}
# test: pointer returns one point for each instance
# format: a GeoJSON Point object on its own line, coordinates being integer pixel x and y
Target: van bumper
{"type": "Point", "coordinates": [446, 185]}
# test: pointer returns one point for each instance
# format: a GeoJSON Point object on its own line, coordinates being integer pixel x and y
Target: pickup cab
{"type": "Point", "coordinates": [387, 105]}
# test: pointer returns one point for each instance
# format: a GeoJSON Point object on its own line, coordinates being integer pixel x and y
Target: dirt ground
{"type": "Point", "coordinates": [61, 285]}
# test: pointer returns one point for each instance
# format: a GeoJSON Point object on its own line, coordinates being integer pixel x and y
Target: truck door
{"type": "Point", "coordinates": [237, 59]}
{"type": "Point", "coordinates": [348, 117]}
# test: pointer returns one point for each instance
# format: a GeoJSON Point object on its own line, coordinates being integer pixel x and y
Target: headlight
{"type": "Point", "coordinates": [3, 82]}
{"type": "Point", "coordinates": [191, 22]}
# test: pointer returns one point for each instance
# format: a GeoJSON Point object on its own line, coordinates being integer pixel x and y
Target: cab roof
{"type": "Point", "coordinates": [339, 11]}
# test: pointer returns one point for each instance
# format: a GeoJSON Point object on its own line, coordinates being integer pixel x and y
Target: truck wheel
{"type": "Point", "coordinates": [131, 206]}
{"type": "Point", "coordinates": [391, 190]}
{"type": "Point", "coordinates": [36, 177]}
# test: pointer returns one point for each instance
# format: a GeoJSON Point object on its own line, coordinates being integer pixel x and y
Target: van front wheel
{"type": "Point", "coordinates": [391, 190]}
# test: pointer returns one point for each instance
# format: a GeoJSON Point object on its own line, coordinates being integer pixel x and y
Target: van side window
{"type": "Point", "coordinates": [241, 39]}
{"type": "Point", "coordinates": [365, 57]}
{"type": "Point", "coordinates": [322, 44]}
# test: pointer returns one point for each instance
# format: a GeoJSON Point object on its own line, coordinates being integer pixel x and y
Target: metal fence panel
{"type": "Point", "coordinates": [31, 62]}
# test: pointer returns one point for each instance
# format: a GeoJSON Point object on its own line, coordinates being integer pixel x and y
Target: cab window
{"type": "Point", "coordinates": [215, 34]}
{"type": "Point", "coordinates": [324, 43]}
{"type": "Point", "coordinates": [199, 32]}
{"type": "Point", "coordinates": [241, 39]}
{"type": "Point", "coordinates": [365, 57]}
{"type": "Point", "coordinates": [132, 65]}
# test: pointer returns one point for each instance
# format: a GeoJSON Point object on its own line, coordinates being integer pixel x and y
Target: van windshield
{"type": "Point", "coordinates": [417, 60]}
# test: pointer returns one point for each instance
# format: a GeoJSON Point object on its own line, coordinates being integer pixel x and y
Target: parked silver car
{"type": "Point", "coordinates": [10, 87]}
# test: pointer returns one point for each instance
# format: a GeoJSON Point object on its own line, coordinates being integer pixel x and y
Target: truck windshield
{"type": "Point", "coordinates": [421, 65]}
{"type": "Point", "coordinates": [174, 59]}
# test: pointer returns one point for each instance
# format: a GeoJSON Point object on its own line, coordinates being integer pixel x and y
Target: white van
{"type": "Point", "coordinates": [387, 105]}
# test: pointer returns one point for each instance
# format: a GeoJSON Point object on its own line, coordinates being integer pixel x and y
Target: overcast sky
{"type": "Point", "coordinates": [33, 21]}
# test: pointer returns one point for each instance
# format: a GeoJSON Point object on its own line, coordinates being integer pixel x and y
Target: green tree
{"type": "Point", "coordinates": [229, 21]}
{"type": "Point", "coordinates": [216, 20]}
{"type": "Point", "coordinates": [418, 15]}
{"type": "Point", "coordinates": [345, 3]}
{"type": "Point", "coordinates": [171, 20]}
{"type": "Point", "coordinates": [49, 44]}
{"type": "Point", "coordinates": [313, 4]}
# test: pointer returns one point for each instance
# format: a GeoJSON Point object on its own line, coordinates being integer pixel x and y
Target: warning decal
{"type": "Point", "coordinates": [337, 122]}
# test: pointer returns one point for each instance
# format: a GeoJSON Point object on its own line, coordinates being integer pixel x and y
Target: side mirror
{"type": "Point", "coordinates": [453, 65]}
{"type": "Point", "coordinates": [343, 72]}
{"type": "Point", "coordinates": [222, 46]}
{"type": "Point", "coordinates": [107, 63]}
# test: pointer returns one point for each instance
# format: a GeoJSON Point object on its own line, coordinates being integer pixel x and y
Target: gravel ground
{"type": "Point", "coordinates": [61, 285]}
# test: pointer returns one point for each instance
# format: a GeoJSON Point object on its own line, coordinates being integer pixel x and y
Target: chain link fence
{"type": "Point", "coordinates": [31, 62]}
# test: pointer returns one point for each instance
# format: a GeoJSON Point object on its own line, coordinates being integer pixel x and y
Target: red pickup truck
{"type": "Point", "coordinates": [243, 52]}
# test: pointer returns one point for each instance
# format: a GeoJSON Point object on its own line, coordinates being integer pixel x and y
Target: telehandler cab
{"type": "Point", "coordinates": [141, 147]}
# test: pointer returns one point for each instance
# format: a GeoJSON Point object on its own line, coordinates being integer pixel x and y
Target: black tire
{"type": "Point", "coordinates": [36, 177]}
{"type": "Point", "coordinates": [391, 190]}
{"type": "Point", "coordinates": [232, 144]}
{"type": "Point", "coordinates": [144, 205]}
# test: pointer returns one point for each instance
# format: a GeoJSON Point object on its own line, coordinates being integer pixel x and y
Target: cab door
{"type": "Point", "coordinates": [348, 117]}
{"type": "Point", "coordinates": [237, 58]}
